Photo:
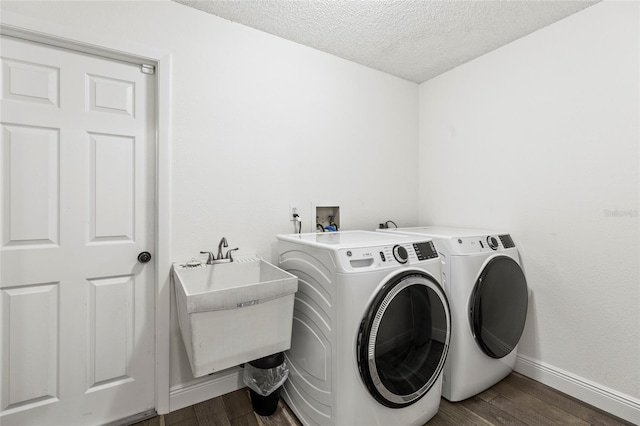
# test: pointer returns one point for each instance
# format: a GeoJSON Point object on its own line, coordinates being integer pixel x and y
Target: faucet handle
{"type": "Point", "coordinates": [228, 255]}
{"type": "Point", "coordinates": [211, 257]}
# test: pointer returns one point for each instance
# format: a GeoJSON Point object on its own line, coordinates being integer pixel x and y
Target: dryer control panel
{"type": "Point", "coordinates": [388, 255]}
{"type": "Point", "coordinates": [480, 244]}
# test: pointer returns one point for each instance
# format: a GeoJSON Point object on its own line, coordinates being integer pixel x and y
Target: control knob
{"type": "Point", "coordinates": [493, 243]}
{"type": "Point", "coordinates": [400, 254]}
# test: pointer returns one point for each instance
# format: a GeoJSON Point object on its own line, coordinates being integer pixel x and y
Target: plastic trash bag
{"type": "Point", "coordinates": [264, 381]}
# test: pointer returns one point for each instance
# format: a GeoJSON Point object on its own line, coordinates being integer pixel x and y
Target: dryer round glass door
{"type": "Point", "coordinates": [403, 339]}
{"type": "Point", "coordinates": [498, 306]}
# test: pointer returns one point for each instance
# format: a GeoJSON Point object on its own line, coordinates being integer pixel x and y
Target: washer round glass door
{"type": "Point", "coordinates": [498, 306]}
{"type": "Point", "coordinates": [403, 339]}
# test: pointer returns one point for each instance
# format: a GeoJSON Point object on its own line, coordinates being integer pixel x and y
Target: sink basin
{"type": "Point", "coordinates": [230, 313]}
{"type": "Point", "coordinates": [224, 285]}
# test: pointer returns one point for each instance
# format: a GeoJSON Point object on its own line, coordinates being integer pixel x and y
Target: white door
{"type": "Point", "coordinates": [77, 175]}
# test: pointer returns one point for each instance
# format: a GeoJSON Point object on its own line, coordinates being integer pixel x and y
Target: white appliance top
{"type": "Point", "coordinates": [445, 232]}
{"type": "Point", "coordinates": [349, 239]}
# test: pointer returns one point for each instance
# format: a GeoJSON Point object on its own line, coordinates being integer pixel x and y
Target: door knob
{"type": "Point", "coordinates": [144, 257]}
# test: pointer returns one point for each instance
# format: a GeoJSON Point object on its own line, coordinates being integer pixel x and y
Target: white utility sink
{"type": "Point", "coordinates": [231, 313]}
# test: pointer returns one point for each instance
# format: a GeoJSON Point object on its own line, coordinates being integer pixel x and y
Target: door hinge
{"type": "Point", "coordinates": [148, 69]}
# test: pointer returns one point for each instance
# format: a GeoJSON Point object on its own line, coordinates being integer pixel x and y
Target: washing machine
{"type": "Point", "coordinates": [488, 295]}
{"type": "Point", "coordinates": [371, 328]}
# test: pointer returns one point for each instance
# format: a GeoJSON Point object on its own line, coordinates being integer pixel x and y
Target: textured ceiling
{"type": "Point", "coordinates": [413, 39]}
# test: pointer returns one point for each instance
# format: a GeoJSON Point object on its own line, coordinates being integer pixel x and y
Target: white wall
{"type": "Point", "coordinates": [541, 138]}
{"type": "Point", "coordinates": [258, 123]}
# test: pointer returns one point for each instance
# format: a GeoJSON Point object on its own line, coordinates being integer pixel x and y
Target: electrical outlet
{"type": "Point", "coordinates": [293, 210]}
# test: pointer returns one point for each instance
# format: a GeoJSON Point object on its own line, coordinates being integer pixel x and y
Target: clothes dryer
{"type": "Point", "coordinates": [487, 290]}
{"type": "Point", "coordinates": [371, 328]}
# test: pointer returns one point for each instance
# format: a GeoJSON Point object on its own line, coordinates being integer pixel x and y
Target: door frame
{"type": "Point", "coordinates": [34, 30]}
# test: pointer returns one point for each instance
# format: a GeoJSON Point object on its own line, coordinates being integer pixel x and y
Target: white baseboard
{"type": "Point", "coordinates": [219, 384]}
{"type": "Point", "coordinates": [609, 400]}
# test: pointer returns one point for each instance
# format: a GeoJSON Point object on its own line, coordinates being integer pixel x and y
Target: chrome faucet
{"type": "Point", "coordinates": [223, 243]}
{"type": "Point", "coordinates": [211, 259]}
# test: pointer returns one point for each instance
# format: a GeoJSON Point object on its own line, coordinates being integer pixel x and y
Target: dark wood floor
{"type": "Point", "coordinates": [517, 400]}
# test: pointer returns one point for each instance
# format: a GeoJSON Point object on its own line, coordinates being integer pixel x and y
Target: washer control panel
{"type": "Point", "coordinates": [426, 250]}
{"type": "Point", "coordinates": [385, 256]}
